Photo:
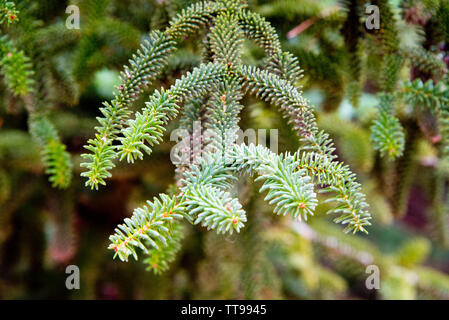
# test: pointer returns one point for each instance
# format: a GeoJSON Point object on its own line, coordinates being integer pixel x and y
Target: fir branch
{"type": "Point", "coordinates": [193, 111]}
{"type": "Point", "coordinates": [147, 126]}
{"type": "Point", "coordinates": [8, 12]}
{"type": "Point", "coordinates": [213, 91]}
{"type": "Point", "coordinates": [144, 67]}
{"type": "Point", "coordinates": [286, 66]}
{"type": "Point", "coordinates": [212, 168]}
{"type": "Point", "coordinates": [214, 208]}
{"type": "Point", "coordinates": [222, 114]}
{"type": "Point", "coordinates": [115, 113]}
{"type": "Point", "coordinates": [148, 225]}
{"type": "Point", "coordinates": [391, 67]}
{"type": "Point", "coordinates": [207, 202]}
{"type": "Point", "coordinates": [353, 206]}
{"type": "Point", "coordinates": [273, 89]}
{"type": "Point", "coordinates": [58, 164]}
{"type": "Point", "coordinates": [259, 30]}
{"type": "Point", "coordinates": [158, 260]}
{"type": "Point", "coordinates": [193, 17]}
{"type": "Point", "coordinates": [336, 178]}
{"type": "Point", "coordinates": [226, 39]}
{"type": "Point", "coordinates": [425, 61]}
{"type": "Point", "coordinates": [289, 189]}
{"type": "Point", "coordinates": [15, 67]}
{"type": "Point", "coordinates": [427, 95]}
{"type": "Point", "coordinates": [55, 157]}
{"type": "Point", "coordinates": [387, 133]}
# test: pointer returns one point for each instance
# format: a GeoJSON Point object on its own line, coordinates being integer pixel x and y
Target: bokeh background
{"type": "Point", "coordinates": [44, 229]}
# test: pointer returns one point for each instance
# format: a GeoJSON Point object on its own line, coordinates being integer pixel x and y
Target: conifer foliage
{"type": "Point", "coordinates": [356, 112]}
{"type": "Point", "coordinates": [290, 181]}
